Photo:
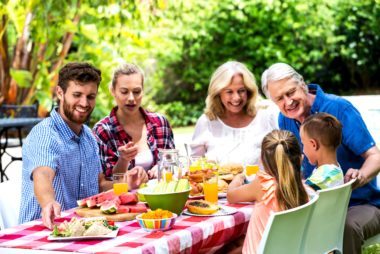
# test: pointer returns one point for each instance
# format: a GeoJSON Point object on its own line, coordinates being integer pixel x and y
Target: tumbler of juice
{"type": "Point", "coordinates": [210, 187]}
{"type": "Point", "coordinates": [168, 175]}
{"type": "Point", "coordinates": [120, 184]}
{"type": "Point", "coordinates": [251, 169]}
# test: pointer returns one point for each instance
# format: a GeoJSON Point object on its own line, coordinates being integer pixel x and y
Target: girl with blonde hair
{"type": "Point", "coordinates": [279, 187]}
{"type": "Point", "coordinates": [232, 122]}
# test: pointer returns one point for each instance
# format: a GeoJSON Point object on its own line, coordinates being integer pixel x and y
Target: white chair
{"type": "Point", "coordinates": [10, 195]}
{"type": "Point", "coordinates": [324, 233]}
{"type": "Point", "coordinates": [284, 230]}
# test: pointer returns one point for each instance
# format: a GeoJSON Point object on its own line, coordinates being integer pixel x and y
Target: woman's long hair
{"type": "Point", "coordinates": [220, 79]}
{"type": "Point", "coordinates": [281, 157]}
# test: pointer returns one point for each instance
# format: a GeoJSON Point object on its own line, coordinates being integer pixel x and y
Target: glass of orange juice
{"type": "Point", "coordinates": [120, 183]}
{"type": "Point", "coordinates": [210, 187]}
{"type": "Point", "coordinates": [251, 169]}
{"type": "Point", "coordinates": [168, 176]}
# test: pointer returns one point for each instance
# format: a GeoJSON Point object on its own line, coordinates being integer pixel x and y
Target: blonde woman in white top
{"type": "Point", "coordinates": [233, 124]}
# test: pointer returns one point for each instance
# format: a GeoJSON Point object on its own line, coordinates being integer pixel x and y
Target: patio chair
{"type": "Point", "coordinates": [10, 203]}
{"type": "Point", "coordinates": [15, 111]}
{"type": "Point", "coordinates": [324, 232]}
{"type": "Point", "coordinates": [284, 231]}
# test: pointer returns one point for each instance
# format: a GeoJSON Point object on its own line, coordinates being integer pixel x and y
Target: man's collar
{"type": "Point", "coordinates": [63, 127]}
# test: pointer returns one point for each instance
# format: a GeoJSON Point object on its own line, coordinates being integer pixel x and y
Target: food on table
{"type": "Point", "coordinates": [157, 220]}
{"type": "Point", "coordinates": [196, 189]}
{"type": "Point", "coordinates": [98, 199]}
{"type": "Point", "coordinates": [84, 227]}
{"type": "Point", "coordinates": [202, 207]}
{"type": "Point", "coordinates": [227, 177]}
{"type": "Point", "coordinates": [94, 200]}
{"type": "Point", "coordinates": [110, 206]}
{"type": "Point", "coordinates": [231, 168]}
{"type": "Point", "coordinates": [141, 196]}
{"type": "Point", "coordinates": [137, 208]}
{"type": "Point", "coordinates": [128, 198]}
{"type": "Point", "coordinates": [157, 214]}
{"type": "Point", "coordinates": [172, 186]}
{"type": "Point", "coordinates": [222, 185]}
{"type": "Point", "coordinates": [110, 203]}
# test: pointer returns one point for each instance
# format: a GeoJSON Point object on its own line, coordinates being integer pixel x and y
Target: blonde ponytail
{"type": "Point", "coordinates": [281, 156]}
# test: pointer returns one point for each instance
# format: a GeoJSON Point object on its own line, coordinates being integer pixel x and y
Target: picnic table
{"type": "Point", "coordinates": [190, 234]}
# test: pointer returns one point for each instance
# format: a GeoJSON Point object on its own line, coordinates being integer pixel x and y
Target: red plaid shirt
{"type": "Point", "coordinates": [110, 135]}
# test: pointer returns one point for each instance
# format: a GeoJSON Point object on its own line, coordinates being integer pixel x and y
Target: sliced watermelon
{"type": "Point", "coordinates": [128, 198]}
{"type": "Point", "coordinates": [91, 202]}
{"type": "Point", "coordinates": [107, 195]}
{"type": "Point", "coordinates": [82, 202]}
{"type": "Point", "coordinates": [97, 199]}
{"type": "Point", "coordinates": [110, 206]}
{"type": "Point", "coordinates": [137, 208]}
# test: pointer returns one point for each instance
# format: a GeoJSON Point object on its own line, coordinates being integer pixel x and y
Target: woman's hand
{"type": "Point", "coordinates": [127, 152]}
{"type": "Point", "coordinates": [153, 173]}
{"type": "Point", "coordinates": [137, 176]}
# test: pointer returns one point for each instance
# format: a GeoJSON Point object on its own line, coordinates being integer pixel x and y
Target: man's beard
{"type": "Point", "coordinates": [69, 113]}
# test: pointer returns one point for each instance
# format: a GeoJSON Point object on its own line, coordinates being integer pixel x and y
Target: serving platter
{"type": "Point", "coordinates": [112, 234]}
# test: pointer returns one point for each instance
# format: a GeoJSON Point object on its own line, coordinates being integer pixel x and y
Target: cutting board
{"type": "Point", "coordinates": [95, 212]}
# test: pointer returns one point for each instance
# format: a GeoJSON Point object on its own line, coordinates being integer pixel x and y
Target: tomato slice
{"type": "Point", "coordinates": [111, 222]}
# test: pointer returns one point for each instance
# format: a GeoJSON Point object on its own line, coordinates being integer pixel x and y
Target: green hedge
{"type": "Point", "coordinates": [333, 43]}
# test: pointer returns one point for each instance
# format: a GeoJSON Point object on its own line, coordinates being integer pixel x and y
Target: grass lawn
{"type": "Point", "coordinates": [184, 130]}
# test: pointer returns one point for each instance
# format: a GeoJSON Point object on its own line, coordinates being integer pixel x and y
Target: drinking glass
{"type": "Point", "coordinates": [210, 187]}
{"type": "Point", "coordinates": [251, 169]}
{"type": "Point", "coordinates": [120, 183]}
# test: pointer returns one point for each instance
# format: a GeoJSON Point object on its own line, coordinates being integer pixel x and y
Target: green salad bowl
{"type": "Point", "coordinates": [174, 201]}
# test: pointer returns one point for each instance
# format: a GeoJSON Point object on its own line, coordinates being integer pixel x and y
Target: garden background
{"type": "Point", "coordinates": [179, 44]}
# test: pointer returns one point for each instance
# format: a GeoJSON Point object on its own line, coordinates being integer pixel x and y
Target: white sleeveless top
{"type": "Point", "coordinates": [216, 140]}
{"type": "Point", "coordinates": [144, 159]}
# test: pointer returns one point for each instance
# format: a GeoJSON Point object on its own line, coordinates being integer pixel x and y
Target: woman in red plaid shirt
{"type": "Point", "coordinates": [129, 138]}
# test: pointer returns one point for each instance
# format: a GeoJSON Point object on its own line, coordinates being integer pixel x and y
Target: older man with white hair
{"type": "Point", "coordinates": [358, 155]}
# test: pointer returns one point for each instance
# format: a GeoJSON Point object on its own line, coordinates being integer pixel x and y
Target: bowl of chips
{"type": "Point", "coordinates": [156, 220]}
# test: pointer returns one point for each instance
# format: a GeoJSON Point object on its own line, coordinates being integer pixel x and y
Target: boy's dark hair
{"type": "Point", "coordinates": [81, 72]}
{"type": "Point", "coordinates": [324, 128]}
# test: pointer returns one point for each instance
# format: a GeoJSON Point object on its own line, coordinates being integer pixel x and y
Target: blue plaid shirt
{"type": "Point", "coordinates": [75, 160]}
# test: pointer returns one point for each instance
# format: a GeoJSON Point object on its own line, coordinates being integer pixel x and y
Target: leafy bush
{"type": "Point", "coordinates": [333, 43]}
{"type": "Point", "coordinates": [180, 114]}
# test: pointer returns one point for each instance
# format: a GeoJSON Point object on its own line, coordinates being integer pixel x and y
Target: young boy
{"type": "Point", "coordinates": [321, 134]}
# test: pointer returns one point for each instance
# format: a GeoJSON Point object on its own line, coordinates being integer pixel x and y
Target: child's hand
{"type": "Point", "coordinates": [240, 179]}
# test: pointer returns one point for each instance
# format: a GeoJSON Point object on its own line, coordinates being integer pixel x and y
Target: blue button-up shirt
{"type": "Point", "coordinates": [74, 159]}
{"type": "Point", "coordinates": [356, 140]}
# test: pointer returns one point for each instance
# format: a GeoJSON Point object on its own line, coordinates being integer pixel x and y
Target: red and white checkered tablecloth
{"type": "Point", "coordinates": [189, 234]}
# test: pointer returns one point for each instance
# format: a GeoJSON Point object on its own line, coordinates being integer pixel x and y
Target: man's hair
{"type": "Point", "coordinates": [79, 72]}
{"type": "Point", "coordinates": [324, 128]}
{"type": "Point", "coordinates": [127, 69]}
{"type": "Point", "coordinates": [279, 71]}
{"type": "Point", "coordinates": [220, 79]}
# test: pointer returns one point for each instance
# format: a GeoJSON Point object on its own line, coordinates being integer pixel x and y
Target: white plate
{"type": "Point", "coordinates": [112, 234]}
{"type": "Point", "coordinates": [224, 210]}
{"type": "Point", "coordinates": [196, 197]}
{"type": "Point", "coordinates": [222, 194]}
